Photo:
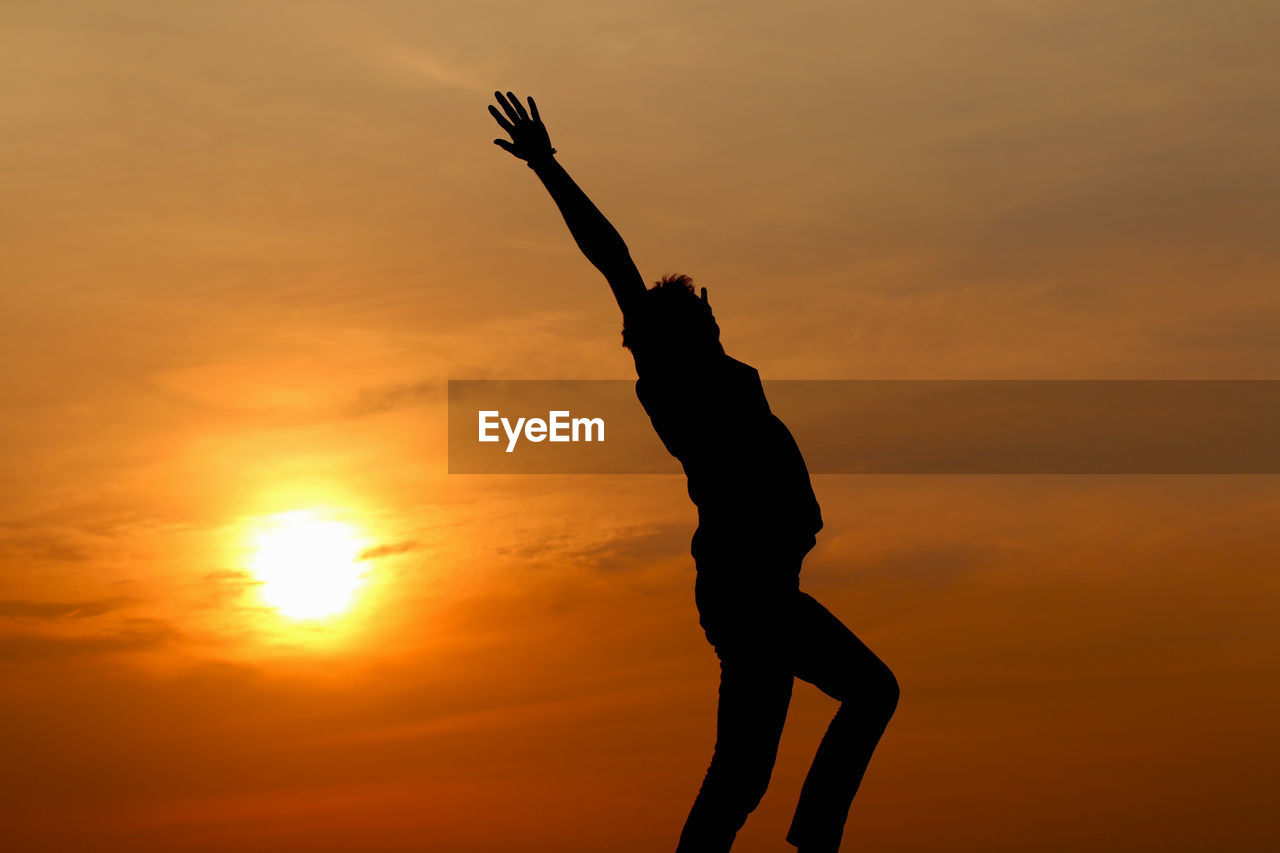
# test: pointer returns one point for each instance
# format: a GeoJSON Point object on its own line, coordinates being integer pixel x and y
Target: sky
{"type": "Point", "coordinates": [246, 244]}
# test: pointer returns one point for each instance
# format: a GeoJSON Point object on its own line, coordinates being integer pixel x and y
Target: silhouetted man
{"type": "Point", "coordinates": [757, 518]}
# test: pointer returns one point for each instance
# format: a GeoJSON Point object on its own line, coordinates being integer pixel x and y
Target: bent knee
{"type": "Point", "coordinates": [890, 693]}
{"type": "Point", "coordinates": [878, 693]}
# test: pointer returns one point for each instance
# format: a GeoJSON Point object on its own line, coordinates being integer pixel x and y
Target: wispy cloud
{"type": "Point", "coordinates": [389, 549]}
{"type": "Point", "coordinates": [20, 609]}
{"type": "Point", "coordinates": [372, 401]}
{"type": "Point", "coordinates": [430, 66]}
{"type": "Point", "coordinates": [44, 544]}
{"type": "Point", "coordinates": [137, 636]}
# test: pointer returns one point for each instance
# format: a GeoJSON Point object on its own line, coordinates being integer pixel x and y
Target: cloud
{"type": "Point", "coordinates": [914, 564]}
{"type": "Point", "coordinates": [606, 550]}
{"type": "Point", "coordinates": [389, 549]}
{"type": "Point", "coordinates": [42, 544]}
{"type": "Point", "coordinates": [416, 63]}
{"type": "Point", "coordinates": [933, 562]}
{"type": "Point", "coordinates": [21, 609]}
{"type": "Point", "coordinates": [138, 635]}
{"type": "Point", "coordinates": [372, 401]}
{"type": "Point", "coordinates": [632, 550]}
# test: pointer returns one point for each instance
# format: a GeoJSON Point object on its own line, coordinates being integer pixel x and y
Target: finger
{"type": "Point", "coordinates": [515, 102]}
{"type": "Point", "coordinates": [505, 145]}
{"type": "Point", "coordinates": [533, 108]}
{"type": "Point", "coordinates": [704, 296]}
{"type": "Point", "coordinates": [506, 125]}
{"type": "Point", "coordinates": [507, 108]}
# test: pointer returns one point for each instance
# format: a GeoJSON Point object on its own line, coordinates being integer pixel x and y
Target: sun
{"type": "Point", "coordinates": [309, 566]}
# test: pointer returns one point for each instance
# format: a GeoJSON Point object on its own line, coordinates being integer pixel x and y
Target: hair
{"type": "Point", "coordinates": [671, 309]}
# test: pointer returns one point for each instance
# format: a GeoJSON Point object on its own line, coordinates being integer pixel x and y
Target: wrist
{"type": "Point", "coordinates": [545, 158]}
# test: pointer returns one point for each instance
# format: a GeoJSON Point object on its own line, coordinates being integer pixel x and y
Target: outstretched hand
{"type": "Point", "coordinates": [529, 139]}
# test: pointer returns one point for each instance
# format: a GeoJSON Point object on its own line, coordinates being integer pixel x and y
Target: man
{"type": "Point", "coordinates": [757, 518]}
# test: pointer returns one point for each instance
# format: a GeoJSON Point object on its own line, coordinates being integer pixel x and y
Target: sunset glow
{"type": "Point", "coordinates": [254, 251]}
{"type": "Point", "coordinates": [309, 566]}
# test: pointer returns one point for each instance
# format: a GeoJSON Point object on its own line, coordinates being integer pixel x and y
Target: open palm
{"type": "Point", "coordinates": [529, 139]}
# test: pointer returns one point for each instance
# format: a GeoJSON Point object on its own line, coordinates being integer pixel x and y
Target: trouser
{"type": "Point", "coordinates": [765, 635]}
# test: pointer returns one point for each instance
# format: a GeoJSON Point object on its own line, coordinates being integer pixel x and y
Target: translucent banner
{"type": "Point", "coordinates": [891, 426]}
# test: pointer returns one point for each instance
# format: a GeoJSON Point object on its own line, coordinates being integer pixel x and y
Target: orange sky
{"type": "Point", "coordinates": [246, 244]}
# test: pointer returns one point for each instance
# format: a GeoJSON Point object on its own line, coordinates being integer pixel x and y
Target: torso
{"type": "Point", "coordinates": [746, 474]}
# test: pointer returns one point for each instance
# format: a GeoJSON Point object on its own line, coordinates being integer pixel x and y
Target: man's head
{"type": "Point", "coordinates": [671, 318]}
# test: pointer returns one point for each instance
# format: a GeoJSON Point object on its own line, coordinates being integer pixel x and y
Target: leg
{"type": "Point", "coordinates": [828, 655]}
{"type": "Point", "coordinates": [754, 695]}
{"type": "Point", "coordinates": [743, 624]}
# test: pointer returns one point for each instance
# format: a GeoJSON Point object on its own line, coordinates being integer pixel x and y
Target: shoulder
{"type": "Point", "coordinates": [744, 384]}
{"type": "Point", "coordinates": [740, 372]}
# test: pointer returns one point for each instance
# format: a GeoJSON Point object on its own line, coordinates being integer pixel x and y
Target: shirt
{"type": "Point", "coordinates": [746, 474]}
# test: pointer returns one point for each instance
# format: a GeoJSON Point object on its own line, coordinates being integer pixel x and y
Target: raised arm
{"type": "Point", "coordinates": [595, 236]}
